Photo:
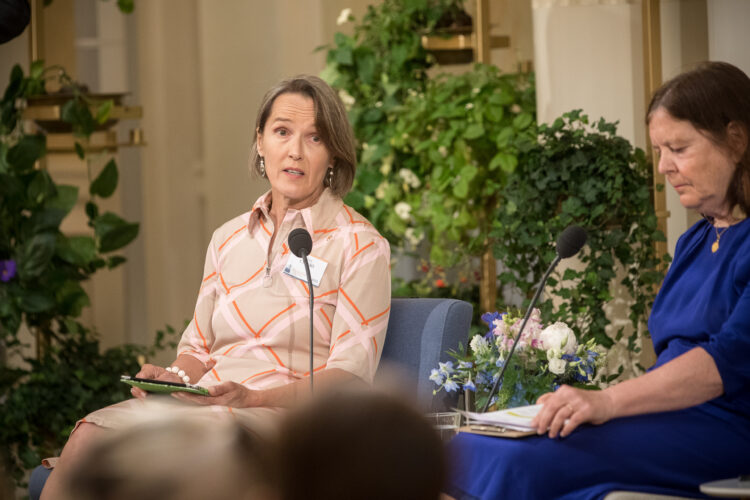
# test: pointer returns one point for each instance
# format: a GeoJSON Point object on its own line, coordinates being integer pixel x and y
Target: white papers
{"type": "Point", "coordinates": [517, 419]}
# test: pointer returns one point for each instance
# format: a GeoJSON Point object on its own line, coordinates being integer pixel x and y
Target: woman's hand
{"type": "Point", "coordinates": [152, 372]}
{"type": "Point", "coordinates": [224, 394]}
{"type": "Point", "coordinates": [567, 408]}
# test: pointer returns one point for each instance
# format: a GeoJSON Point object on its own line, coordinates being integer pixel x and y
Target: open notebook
{"type": "Point", "coordinates": [511, 422]}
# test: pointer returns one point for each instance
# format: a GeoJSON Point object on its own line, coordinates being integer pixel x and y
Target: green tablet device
{"type": "Point", "coordinates": [149, 385]}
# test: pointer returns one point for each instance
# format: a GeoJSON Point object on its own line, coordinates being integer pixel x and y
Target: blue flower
{"type": "Point", "coordinates": [469, 386]}
{"type": "Point", "coordinates": [465, 364]}
{"type": "Point", "coordinates": [446, 368]}
{"type": "Point", "coordinates": [451, 385]}
{"type": "Point", "coordinates": [436, 377]}
{"type": "Point", "coordinates": [7, 270]}
{"type": "Point", "coordinates": [490, 317]}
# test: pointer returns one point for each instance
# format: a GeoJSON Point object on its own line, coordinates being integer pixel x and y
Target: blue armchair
{"type": "Point", "coordinates": [420, 331]}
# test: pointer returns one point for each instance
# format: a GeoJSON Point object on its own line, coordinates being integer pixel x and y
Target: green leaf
{"type": "Point", "coordinates": [522, 121]}
{"type": "Point", "coordinates": [40, 187]}
{"type": "Point", "coordinates": [72, 298]}
{"type": "Point", "coordinates": [79, 150]}
{"type": "Point", "coordinates": [474, 131]}
{"type": "Point", "coordinates": [36, 69]}
{"type": "Point", "coordinates": [113, 232]}
{"type": "Point", "coordinates": [126, 6]}
{"type": "Point", "coordinates": [106, 182]}
{"type": "Point", "coordinates": [65, 199]}
{"type": "Point", "coordinates": [77, 250]}
{"type": "Point", "coordinates": [36, 254]}
{"type": "Point", "coordinates": [29, 149]}
{"type": "Point", "coordinates": [103, 111]}
{"type": "Point", "coordinates": [76, 112]}
{"type": "Point", "coordinates": [344, 56]}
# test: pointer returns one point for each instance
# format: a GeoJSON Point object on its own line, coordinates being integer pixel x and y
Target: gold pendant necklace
{"type": "Point", "coordinates": [715, 246]}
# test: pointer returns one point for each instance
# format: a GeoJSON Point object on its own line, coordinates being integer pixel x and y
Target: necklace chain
{"type": "Point", "coordinates": [715, 246]}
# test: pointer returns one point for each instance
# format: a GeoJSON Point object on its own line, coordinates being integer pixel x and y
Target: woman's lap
{"type": "Point", "coordinates": [675, 451]}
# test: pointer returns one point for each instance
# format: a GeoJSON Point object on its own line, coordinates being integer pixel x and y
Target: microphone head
{"type": "Point", "coordinates": [570, 241]}
{"type": "Point", "coordinates": [299, 241]}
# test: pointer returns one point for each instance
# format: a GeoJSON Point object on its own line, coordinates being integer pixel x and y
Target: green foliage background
{"type": "Point", "coordinates": [42, 398]}
{"type": "Point", "coordinates": [455, 164]}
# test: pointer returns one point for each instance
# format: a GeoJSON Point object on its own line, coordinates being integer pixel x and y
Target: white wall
{"type": "Point", "coordinates": [588, 55]}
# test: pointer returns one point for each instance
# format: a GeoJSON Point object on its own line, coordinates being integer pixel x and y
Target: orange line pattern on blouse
{"type": "Point", "coordinates": [352, 304]}
{"type": "Point", "coordinates": [247, 280]}
{"type": "Point", "coordinates": [272, 370]}
{"type": "Point", "coordinates": [198, 328]}
{"type": "Point", "coordinates": [363, 249]}
{"type": "Point", "coordinates": [232, 236]}
{"type": "Point", "coordinates": [351, 218]}
{"type": "Point", "coordinates": [367, 321]}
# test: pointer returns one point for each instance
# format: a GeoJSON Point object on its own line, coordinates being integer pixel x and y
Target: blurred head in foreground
{"type": "Point", "coordinates": [177, 460]}
{"type": "Point", "coordinates": [359, 446]}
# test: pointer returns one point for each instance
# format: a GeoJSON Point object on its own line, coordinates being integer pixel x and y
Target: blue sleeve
{"type": "Point", "coordinates": [730, 347]}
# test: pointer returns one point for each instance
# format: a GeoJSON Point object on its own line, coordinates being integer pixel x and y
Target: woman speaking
{"type": "Point", "coordinates": [248, 341]}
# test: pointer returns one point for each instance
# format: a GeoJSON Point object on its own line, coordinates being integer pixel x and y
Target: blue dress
{"type": "Point", "coordinates": [704, 301]}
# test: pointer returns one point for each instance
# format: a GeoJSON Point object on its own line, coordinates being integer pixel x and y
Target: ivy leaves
{"type": "Point", "coordinates": [50, 264]}
{"type": "Point", "coordinates": [583, 174]}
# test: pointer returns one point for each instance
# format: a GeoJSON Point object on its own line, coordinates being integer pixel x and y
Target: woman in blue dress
{"type": "Point", "coordinates": [687, 420]}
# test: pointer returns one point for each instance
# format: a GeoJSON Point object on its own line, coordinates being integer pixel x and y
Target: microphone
{"type": "Point", "coordinates": [569, 243]}
{"type": "Point", "coordinates": [300, 244]}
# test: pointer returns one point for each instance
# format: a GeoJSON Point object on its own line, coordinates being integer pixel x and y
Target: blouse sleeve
{"type": "Point", "coordinates": [364, 300]}
{"type": "Point", "coordinates": [198, 337]}
{"type": "Point", "coordinates": [730, 347]}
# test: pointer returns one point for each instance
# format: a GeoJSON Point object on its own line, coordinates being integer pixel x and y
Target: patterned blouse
{"type": "Point", "coordinates": [253, 319]}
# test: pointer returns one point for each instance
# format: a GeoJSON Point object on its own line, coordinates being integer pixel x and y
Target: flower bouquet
{"type": "Point", "coordinates": [544, 359]}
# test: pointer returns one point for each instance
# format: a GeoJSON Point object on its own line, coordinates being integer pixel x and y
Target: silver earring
{"type": "Point", "coordinates": [330, 177]}
{"type": "Point", "coordinates": [262, 166]}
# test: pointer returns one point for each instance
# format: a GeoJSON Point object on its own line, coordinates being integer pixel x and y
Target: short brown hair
{"type": "Point", "coordinates": [710, 97]}
{"type": "Point", "coordinates": [331, 122]}
{"type": "Point", "coordinates": [378, 445]}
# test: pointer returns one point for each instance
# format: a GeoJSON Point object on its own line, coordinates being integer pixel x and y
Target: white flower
{"type": "Point", "coordinates": [409, 177]}
{"type": "Point", "coordinates": [443, 151]}
{"type": "Point", "coordinates": [515, 108]}
{"type": "Point", "coordinates": [379, 104]}
{"type": "Point", "coordinates": [479, 344]}
{"type": "Point", "coordinates": [411, 237]}
{"type": "Point", "coordinates": [385, 168]}
{"type": "Point", "coordinates": [347, 99]}
{"type": "Point", "coordinates": [380, 190]}
{"type": "Point", "coordinates": [344, 16]}
{"type": "Point", "coordinates": [557, 366]}
{"type": "Point", "coordinates": [403, 210]}
{"type": "Point", "coordinates": [475, 90]}
{"type": "Point", "coordinates": [559, 336]}
{"type": "Point", "coordinates": [470, 105]}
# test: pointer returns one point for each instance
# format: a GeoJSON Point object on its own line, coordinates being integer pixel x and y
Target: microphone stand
{"type": "Point", "coordinates": [310, 287]}
{"type": "Point", "coordinates": [534, 300]}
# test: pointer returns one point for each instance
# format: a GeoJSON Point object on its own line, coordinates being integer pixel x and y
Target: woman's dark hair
{"type": "Point", "coordinates": [331, 123]}
{"type": "Point", "coordinates": [710, 97]}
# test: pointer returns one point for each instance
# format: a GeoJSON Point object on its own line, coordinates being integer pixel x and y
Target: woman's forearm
{"type": "Point", "coordinates": [192, 366]}
{"type": "Point", "coordinates": [688, 380]}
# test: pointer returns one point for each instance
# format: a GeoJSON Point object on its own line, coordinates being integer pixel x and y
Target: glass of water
{"type": "Point", "coordinates": [445, 423]}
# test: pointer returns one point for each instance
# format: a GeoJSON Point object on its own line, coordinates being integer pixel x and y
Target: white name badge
{"type": "Point", "coordinates": [295, 268]}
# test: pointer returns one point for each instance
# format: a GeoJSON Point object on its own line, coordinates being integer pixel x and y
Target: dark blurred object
{"type": "Point", "coordinates": [14, 17]}
{"type": "Point", "coordinates": [360, 446]}
{"type": "Point", "coordinates": [175, 460]}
